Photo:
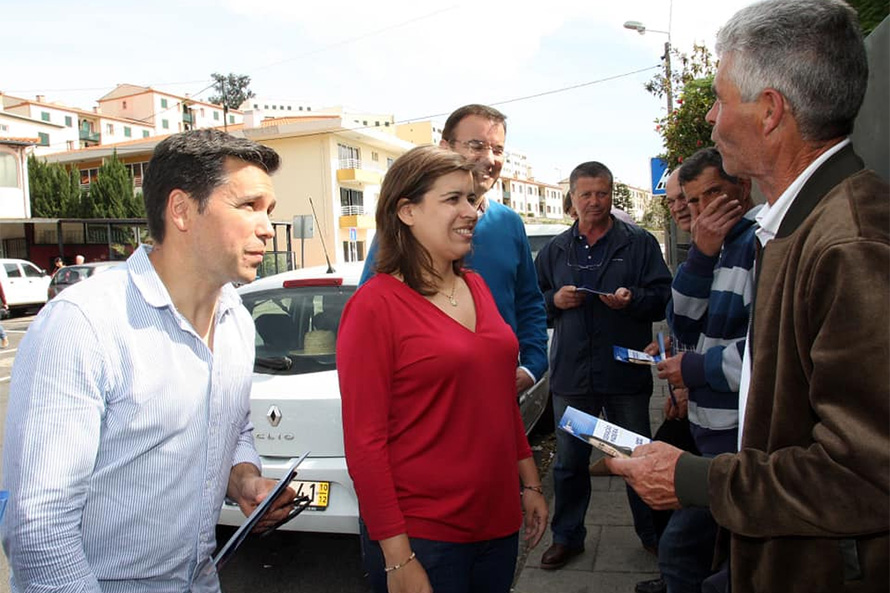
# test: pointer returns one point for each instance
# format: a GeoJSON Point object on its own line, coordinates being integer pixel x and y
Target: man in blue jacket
{"type": "Point", "coordinates": [501, 253]}
{"type": "Point", "coordinates": [602, 253]}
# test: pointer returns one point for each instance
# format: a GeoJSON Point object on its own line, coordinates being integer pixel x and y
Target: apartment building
{"type": "Point", "coordinates": [59, 127]}
{"type": "Point", "coordinates": [530, 198]}
{"type": "Point", "coordinates": [336, 163]}
{"type": "Point", "coordinates": [165, 113]}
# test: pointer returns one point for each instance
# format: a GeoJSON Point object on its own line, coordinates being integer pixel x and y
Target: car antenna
{"type": "Point", "coordinates": [321, 236]}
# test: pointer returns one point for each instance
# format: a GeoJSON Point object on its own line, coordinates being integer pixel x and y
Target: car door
{"type": "Point", "coordinates": [37, 282]}
{"type": "Point", "coordinates": [16, 285]}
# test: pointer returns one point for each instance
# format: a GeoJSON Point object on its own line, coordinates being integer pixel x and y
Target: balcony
{"type": "Point", "coordinates": [356, 216]}
{"type": "Point", "coordinates": [89, 136]}
{"type": "Point", "coordinates": [355, 172]}
{"type": "Point", "coordinates": [187, 118]}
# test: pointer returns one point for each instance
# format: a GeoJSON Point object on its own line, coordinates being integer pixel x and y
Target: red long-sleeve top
{"type": "Point", "coordinates": [432, 431]}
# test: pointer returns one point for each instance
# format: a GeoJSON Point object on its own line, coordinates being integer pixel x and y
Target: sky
{"type": "Point", "coordinates": [566, 73]}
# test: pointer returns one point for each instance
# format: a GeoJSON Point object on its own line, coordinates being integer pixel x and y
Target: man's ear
{"type": "Point", "coordinates": [443, 143]}
{"type": "Point", "coordinates": [406, 211]}
{"type": "Point", "coordinates": [180, 210]}
{"type": "Point", "coordinates": [774, 107]}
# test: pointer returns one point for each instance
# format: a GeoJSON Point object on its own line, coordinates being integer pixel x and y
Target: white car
{"type": "Point", "coordinates": [295, 399]}
{"type": "Point", "coordinates": [24, 284]}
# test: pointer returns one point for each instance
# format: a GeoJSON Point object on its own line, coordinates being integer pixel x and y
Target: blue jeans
{"type": "Point", "coordinates": [478, 567]}
{"type": "Point", "coordinates": [571, 475]}
{"type": "Point", "coordinates": [686, 549]}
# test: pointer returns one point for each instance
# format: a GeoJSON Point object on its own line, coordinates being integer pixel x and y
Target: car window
{"type": "Point", "coordinates": [296, 328]}
{"type": "Point", "coordinates": [32, 271]}
{"type": "Point", "coordinates": [12, 270]}
{"type": "Point", "coordinates": [537, 243]}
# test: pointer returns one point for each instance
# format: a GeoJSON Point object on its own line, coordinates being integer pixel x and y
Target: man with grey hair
{"type": "Point", "coordinates": [807, 497]}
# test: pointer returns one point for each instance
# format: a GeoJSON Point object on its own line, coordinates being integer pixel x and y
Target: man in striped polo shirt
{"type": "Point", "coordinates": [709, 310]}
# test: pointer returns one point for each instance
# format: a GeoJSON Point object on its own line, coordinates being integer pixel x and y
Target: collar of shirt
{"type": "Point", "coordinates": [146, 280]}
{"type": "Point", "coordinates": [483, 205]}
{"type": "Point", "coordinates": [771, 215]}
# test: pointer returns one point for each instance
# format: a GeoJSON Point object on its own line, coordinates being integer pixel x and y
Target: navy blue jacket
{"type": "Point", "coordinates": [581, 358]}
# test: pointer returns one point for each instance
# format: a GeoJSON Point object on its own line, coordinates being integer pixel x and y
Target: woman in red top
{"type": "Point", "coordinates": [434, 440]}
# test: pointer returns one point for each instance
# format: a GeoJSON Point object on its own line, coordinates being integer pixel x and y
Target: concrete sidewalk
{"type": "Point", "coordinates": [613, 560]}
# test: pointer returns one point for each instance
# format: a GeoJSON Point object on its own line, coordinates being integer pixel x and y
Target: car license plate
{"type": "Point", "coordinates": [318, 492]}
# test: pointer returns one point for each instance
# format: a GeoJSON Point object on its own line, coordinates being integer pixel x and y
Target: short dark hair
{"type": "Point", "coordinates": [195, 162]}
{"type": "Point", "coordinates": [592, 169]}
{"type": "Point", "coordinates": [703, 159]}
{"type": "Point", "coordinates": [410, 177]}
{"type": "Point", "coordinates": [489, 113]}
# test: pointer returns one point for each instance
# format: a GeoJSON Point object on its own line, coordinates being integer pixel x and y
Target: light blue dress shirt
{"type": "Point", "coordinates": [121, 431]}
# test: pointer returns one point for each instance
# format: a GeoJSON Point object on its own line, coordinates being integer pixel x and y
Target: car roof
{"type": "Point", "coordinates": [539, 230]}
{"type": "Point", "coordinates": [349, 273]}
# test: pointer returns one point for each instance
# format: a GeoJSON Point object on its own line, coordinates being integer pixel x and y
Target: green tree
{"type": "Point", "coordinates": [136, 206]}
{"type": "Point", "coordinates": [871, 13]}
{"type": "Point", "coordinates": [54, 190]}
{"type": "Point", "coordinates": [621, 198]}
{"type": "Point", "coordinates": [684, 130]}
{"type": "Point", "coordinates": [112, 191]}
{"type": "Point", "coordinates": [231, 90]}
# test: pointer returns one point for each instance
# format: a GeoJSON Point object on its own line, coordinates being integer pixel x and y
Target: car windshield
{"type": "Point", "coordinates": [296, 328]}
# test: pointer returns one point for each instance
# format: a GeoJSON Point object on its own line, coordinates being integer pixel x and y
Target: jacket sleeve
{"type": "Point", "coordinates": [649, 299]}
{"type": "Point", "coordinates": [720, 367]}
{"type": "Point", "coordinates": [839, 484]}
{"type": "Point", "coordinates": [531, 316]}
{"type": "Point", "coordinates": [53, 426]}
{"type": "Point", "coordinates": [544, 270]}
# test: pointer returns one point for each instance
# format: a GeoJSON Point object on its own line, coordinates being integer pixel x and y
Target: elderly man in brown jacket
{"type": "Point", "coordinates": [807, 497]}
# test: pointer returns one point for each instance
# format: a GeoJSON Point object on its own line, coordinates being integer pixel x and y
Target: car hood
{"type": "Point", "coordinates": [307, 409]}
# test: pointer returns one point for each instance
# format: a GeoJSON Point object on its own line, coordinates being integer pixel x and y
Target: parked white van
{"type": "Point", "coordinates": [24, 284]}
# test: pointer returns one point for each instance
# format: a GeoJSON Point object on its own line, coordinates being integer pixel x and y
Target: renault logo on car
{"type": "Point", "coordinates": [273, 415]}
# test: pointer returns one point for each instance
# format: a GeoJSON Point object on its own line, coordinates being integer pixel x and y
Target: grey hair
{"type": "Point", "coordinates": [810, 51]}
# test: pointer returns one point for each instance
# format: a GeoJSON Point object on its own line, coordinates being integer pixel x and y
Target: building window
{"type": "Point", "coordinates": [374, 156]}
{"type": "Point", "coordinates": [201, 111]}
{"type": "Point", "coordinates": [44, 115]}
{"type": "Point", "coordinates": [308, 109]}
{"type": "Point", "coordinates": [165, 124]}
{"type": "Point", "coordinates": [301, 108]}
{"type": "Point", "coordinates": [128, 132]}
{"type": "Point", "coordinates": [288, 108]}
{"type": "Point", "coordinates": [389, 162]}
{"type": "Point", "coordinates": [216, 115]}
{"type": "Point", "coordinates": [163, 103]}
{"type": "Point", "coordinates": [145, 133]}
{"type": "Point", "coordinates": [44, 139]}
{"type": "Point", "coordinates": [274, 107]}
{"type": "Point", "coordinates": [124, 104]}
{"type": "Point", "coordinates": [352, 202]}
{"type": "Point", "coordinates": [386, 123]}
{"type": "Point", "coordinates": [8, 170]}
{"type": "Point", "coordinates": [350, 157]}
{"type": "Point", "coordinates": [231, 119]}
{"type": "Point", "coordinates": [68, 120]}
{"type": "Point", "coordinates": [109, 129]}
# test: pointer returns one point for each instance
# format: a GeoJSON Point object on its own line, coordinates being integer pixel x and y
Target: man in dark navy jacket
{"type": "Point", "coordinates": [601, 253]}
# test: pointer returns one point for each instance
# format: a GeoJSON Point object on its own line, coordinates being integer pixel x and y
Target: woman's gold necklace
{"type": "Point", "coordinates": [450, 297]}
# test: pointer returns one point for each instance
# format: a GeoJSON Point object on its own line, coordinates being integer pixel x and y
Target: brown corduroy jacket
{"type": "Point", "coordinates": [807, 498]}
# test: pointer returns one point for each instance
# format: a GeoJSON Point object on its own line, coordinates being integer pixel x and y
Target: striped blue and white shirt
{"type": "Point", "coordinates": [710, 306]}
{"type": "Point", "coordinates": [121, 432]}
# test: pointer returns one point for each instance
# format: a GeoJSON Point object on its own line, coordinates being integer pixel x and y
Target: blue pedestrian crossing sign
{"type": "Point", "coordinates": [660, 175]}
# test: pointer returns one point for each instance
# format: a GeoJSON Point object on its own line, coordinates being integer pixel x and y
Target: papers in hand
{"type": "Point", "coordinates": [623, 354]}
{"type": "Point", "coordinates": [226, 552]}
{"type": "Point", "coordinates": [592, 290]}
{"type": "Point", "coordinates": [605, 436]}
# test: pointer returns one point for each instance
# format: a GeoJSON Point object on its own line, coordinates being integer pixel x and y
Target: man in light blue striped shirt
{"type": "Point", "coordinates": [128, 409]}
